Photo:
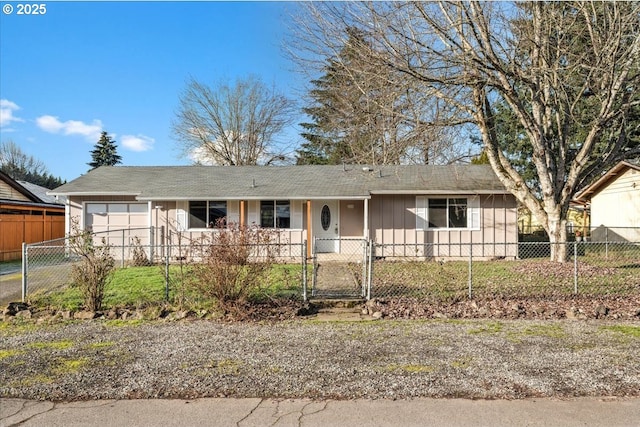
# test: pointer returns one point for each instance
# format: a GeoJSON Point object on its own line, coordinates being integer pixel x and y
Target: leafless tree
{"type": "Point", "coordinates": [13, 159]}
{"type": "Point", "coordinates": [232, 124]}
{"type": "Point", "coordinates": [381, 116]}
{"type": "Point", "coordinates": [567, 71]}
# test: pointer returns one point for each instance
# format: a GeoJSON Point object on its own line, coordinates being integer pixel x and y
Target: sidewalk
{"type": "Point", "coordinates": [300, 412]}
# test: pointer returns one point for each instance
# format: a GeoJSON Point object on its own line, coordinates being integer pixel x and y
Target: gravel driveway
{"type": "Point", "coordinates": [103, 359]}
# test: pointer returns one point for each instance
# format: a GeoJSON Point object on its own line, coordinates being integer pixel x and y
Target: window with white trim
{"type": "Point", "coordinates": [444, 213]}
{"type": "Point", "coordinates": [275, 213]}
{"type": "Point", "coordinates": [207, 214]}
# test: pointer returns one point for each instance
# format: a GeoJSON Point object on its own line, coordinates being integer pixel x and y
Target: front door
{"type": "Point", "coordinates": [326, 225]}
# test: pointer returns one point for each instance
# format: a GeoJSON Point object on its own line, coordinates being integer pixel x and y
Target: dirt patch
{"type": "Point", "coordinates": [577, 307]}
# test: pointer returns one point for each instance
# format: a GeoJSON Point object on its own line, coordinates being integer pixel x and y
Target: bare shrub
{"type": "Point", "coordinates": [235, 266]}
{"type": "Point", "coordinates": [140, 258]}
{"type": "Point", "coordinates": [93, 272]}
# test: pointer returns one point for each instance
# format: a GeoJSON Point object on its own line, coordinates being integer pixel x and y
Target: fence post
{"type": "Point", "coordinates": [122, 252]}
{"type": "Point", "coordinates": [365, 250]}
{"type": "Point", "coordinates": [372, 254]}
{"type": "Point", "coordinates": [304, 270]}
{"type": "Point", "coordinates": [166, 277]}
{"type": "Point", "coordinates": [471, 270]}
{"type": "Point", "coordinates": [152, 243]}
{"type": "Point", "coordinates": [314, 256]}
{"type": "Point", "coordinates": [25, 261]}
{"type": "Point", "coordinates": [575, 268]}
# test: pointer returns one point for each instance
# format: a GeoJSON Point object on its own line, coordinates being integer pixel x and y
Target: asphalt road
{"type": "Point", "coordinates": [610, 412]}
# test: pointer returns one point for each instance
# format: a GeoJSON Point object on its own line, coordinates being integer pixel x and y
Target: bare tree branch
{"type": "Point", "coordinates": [232, 125]}
{"type": "Point", "coordinates": [568, 72]}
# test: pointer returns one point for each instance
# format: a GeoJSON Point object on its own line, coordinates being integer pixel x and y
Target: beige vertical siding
{"type": "Point", "coordinates": [351, 218]}
{"type": "Point", "coordinates": [618, 205]}
{"type": "Point", "coordinates": [392, 223]}
{"type": "Point", "coordinates": [393, 226]}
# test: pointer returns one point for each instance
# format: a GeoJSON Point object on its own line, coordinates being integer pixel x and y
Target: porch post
{"type": "Point", "coordinates": [309, 231]}
{"type": "Point", "coordinates": [67, 217]}
{"type": "Point", "coordinates": [366, 219]}
{"type": "Point", "coordinates": [241, 213]}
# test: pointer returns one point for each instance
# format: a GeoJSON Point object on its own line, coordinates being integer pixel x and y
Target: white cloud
{"type": "Point", "coordinates": [200, 156]}
{"type": "Point", "coordinates": [7, 109]}
{"type": "Point", "coordinates": [52, 124]}
{"type": "Point", "coordinates": [137, 142]}
{"type": "Point", "coordinates": [49, 124]}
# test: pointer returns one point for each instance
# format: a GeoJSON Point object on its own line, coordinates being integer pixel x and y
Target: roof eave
{"type": "Point", "coordinates": [6, 202]}
{"type": "Point", "coordinates": [92, 193]}
{"type": "Point", "coordinates": [261, 197]}
{"type": "Point", "coordinates": [440, 192]}
{"type": "Point", "coordinates": [20, 188]}
{"type": "Point", "coordinates": [585, 195]}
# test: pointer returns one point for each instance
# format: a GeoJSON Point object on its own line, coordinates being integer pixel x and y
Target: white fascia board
{"type": "Point", "coordinates": [265, 197]}
{"type": "Point", "coordinates": [440, 192]}
{"type": "Point", "coordinates": [92, 193]}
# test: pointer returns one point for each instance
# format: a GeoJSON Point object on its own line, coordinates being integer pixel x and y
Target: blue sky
{"type": "Point", "coordinates": [84, 67]}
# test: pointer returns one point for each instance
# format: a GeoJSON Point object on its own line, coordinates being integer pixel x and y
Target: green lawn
{"type": "Point", "coordinates": [145, 286]}
{"type": "Point", "coordinates": [503, 278]}
{"type": "Point", "coordinates": [599, 273]}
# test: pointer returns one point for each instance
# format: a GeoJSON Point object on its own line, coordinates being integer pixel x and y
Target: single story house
{"type": "Point", "coordinates": [614, 203]}
{"type": "Point", "coordinates": [417, 209]}
{"type": "Point", "coordinates": [27, 214]}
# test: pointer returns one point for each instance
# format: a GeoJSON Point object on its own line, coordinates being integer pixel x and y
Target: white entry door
{"type": "Point", "coordinates": [326, 225]}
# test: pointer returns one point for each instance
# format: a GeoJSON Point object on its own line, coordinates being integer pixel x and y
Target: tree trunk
{"type": "Point", "coordinates": [557, 230]}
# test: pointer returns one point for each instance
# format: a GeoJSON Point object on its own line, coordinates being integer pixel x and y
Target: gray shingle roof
{"type": "Point", "coordinates": [289, 182]}
{"type": "Point", "coordinates": [41, 193]}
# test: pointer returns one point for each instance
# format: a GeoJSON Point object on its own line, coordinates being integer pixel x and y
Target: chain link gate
{"type": "Point", "coordinates": [340, 268]}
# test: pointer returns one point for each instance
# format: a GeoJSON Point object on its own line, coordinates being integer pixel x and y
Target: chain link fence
{"type": "Point", "coordinates": [601, 233]}
{"type": "Point", "coordinates": [592, 269]}
{"type": "Point", "coordinates": [47, 266]}
{"type": "Point", "coordinates": [356, 268]}
{"type": "Point", "coordinates": [340, 268]}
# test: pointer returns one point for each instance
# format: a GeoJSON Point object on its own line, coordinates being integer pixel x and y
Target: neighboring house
{"type": "Point", "coordinates": [614, 202]}
{"type": "Point", "coordinates": [27, 214]}
{"type": "Point", "coordinates": [577, 221]}
{"type": "Point", "coordinates": [404, 208]}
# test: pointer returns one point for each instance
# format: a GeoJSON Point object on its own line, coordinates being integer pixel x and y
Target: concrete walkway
{"type": "Point", "coordinates": [300, 412]}
{"type": "Point", "coordinates": [336, 280]}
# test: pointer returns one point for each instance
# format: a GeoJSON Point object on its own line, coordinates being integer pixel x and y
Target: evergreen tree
{"type": "Point", "coordinates": [324, 139]}
{"type": "Point", "coordinates": [104, 153]}
{"type": "Point", "coordinates": [357, 117]}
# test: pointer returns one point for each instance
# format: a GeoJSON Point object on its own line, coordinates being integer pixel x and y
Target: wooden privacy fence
{"type": "Point", "coordinates": [28, 228]}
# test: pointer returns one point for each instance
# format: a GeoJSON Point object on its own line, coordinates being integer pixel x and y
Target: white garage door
{"type": "Point", "coordinates": [103, 217]}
